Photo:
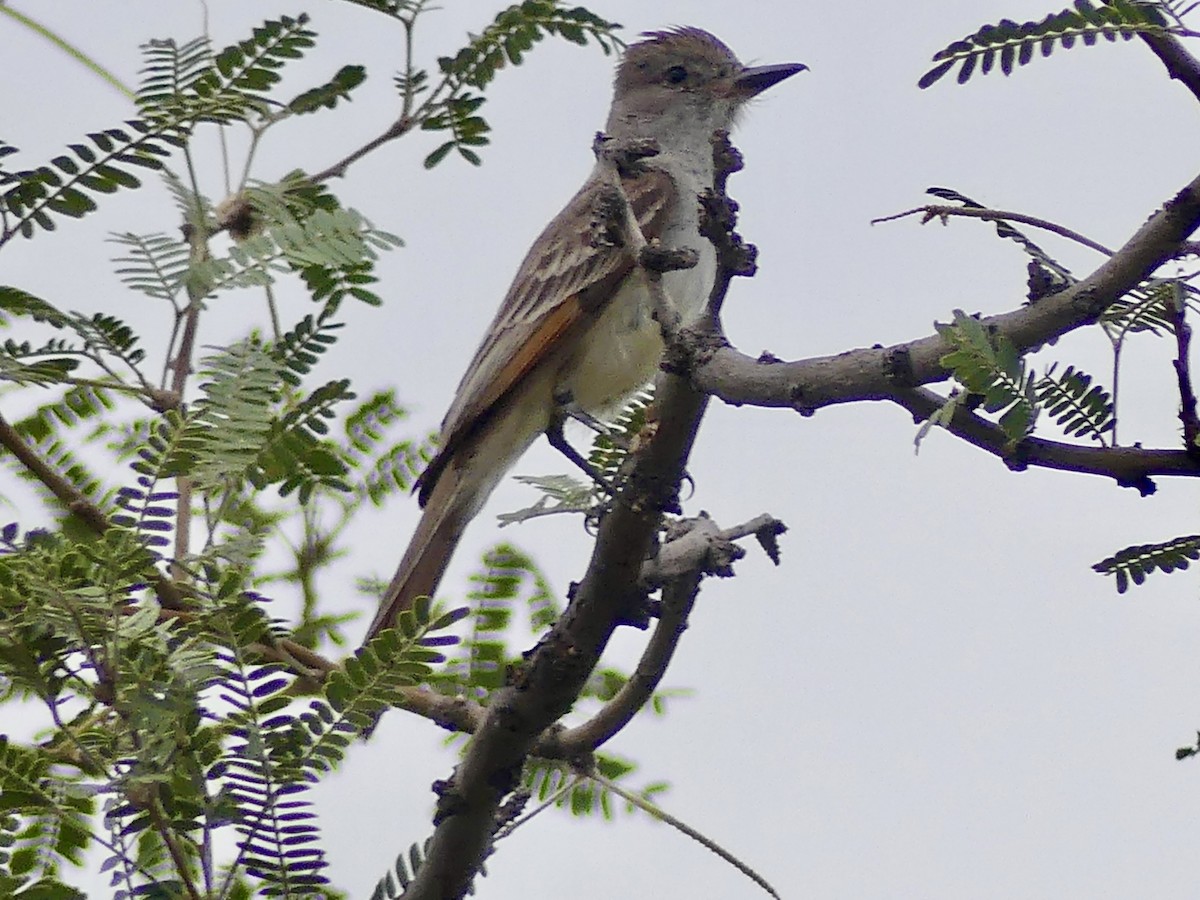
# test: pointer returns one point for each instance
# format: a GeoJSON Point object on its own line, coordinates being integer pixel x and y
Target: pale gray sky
{"type": "Point", "coordinates": [934, 696]}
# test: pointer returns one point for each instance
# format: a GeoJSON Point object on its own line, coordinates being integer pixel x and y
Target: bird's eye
{"type": "Point", "coordinates": [677, 74]}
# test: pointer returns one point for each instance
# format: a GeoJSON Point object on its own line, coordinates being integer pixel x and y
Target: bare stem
{"type": "Point", "coordinates": [931, 212]}
{"type": "Point", "coordinates": [1183, 372]}
{"type": "Point", "coordinates": [399, 128]}
{"type": "Point", "coordinates": [663, 816]}
{"type": "Point", "coordinates": [177, 855]}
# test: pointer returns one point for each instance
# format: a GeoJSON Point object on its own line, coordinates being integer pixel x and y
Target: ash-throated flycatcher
{"type": "Point", "coordinates": [577, 322]}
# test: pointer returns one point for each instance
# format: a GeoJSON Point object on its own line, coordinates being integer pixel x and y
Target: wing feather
{"type": "Point", "coordinates": [565, 280]}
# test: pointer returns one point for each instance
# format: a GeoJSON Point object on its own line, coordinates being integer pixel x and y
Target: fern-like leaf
{"type": "Point", "coordinates": [327, 96]}
{"type": "Point", "coordinates": [942, 417]}
{"type": "Point", "coordinates": [195, 208]}
{"type": "Point", "coordinates": [990, 367]}
{"type": "Point", "coordinates": [53, 820]}
{"type": "Point", "coordinates": [253, 64]}
{"type": "Point", "coordinates": [190, 83]}
{"type": "Point", "coordinates": [278, 753]}
{"type": "Point", "coordinates": [386, 469]}
{"type": "Point", "coordinates": [77, 404]}
{"type": "Point", "coordinates": [515, 31]}
{"type": "Point", "coordinates": [553, 780]}
{"type": "Point", "coordinates": [395, 469]}
{"type": "Point", "coordinates": [299, 350]}
{"type": "Point", "coordinates": [396, 881]}
{"type": "Point", "coordinates": [395, 8]}
{"type": "Point", "coordinates": [505, 42]}
{"type": "Point", "coordinates": [224, 432]}
{"type": "Point", "coordinates": [16, 302]}
{"type": "Point", "coordinates": [373, 679]}
{"type": "Point", "coordinates": [170, 75]}
{"type": "Point", "coordinates": [571, 494]}
{"type": "Point", "coordinates": [156, 264]}
{"type": "Point", "coordinates": [104, 339]}
{"type": "Point", "coordinates": [1148, 308]}
{"type": "Point", "coordinates": [1008, 44]}
{"type": "Point", "coordinates": [295, 453]}
{"type": "Point", "coordinates": [610, 449]}
{"type": "Point", "coordinates": [338, 242]}
{"type": "Point", "coordinates": [559, 494]}
{"type": "Point", "coordinates": [62, 459]}
{"type": "Point", "coordinates": [267, 787]}
{"type": "Point", "coordinates": [147, 512]}
{"type": "Point", "coordinates": [1079, 407]}
{"type": "Point", "coordinates": [31, 198]}
{"type": "Point", "coordinates": [244, 428]}
{"type": "Point", "coordinates": [1135, 563]}
{"type": "Point", "coordinates": [506, 577]}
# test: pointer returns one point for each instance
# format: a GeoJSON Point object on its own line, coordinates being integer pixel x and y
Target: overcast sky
{"type": "Point", "coordinates": [934, 696]}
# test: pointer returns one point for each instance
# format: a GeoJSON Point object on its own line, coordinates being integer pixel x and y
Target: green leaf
{"type": "Point", "coordinates": [438, 155]}
{"type": "Point", "coordinates": [1136, 562]}
{"type": "Point", "coordinates": [1015, 42]}
{"type": "Point", "coordinates": [1080, 408]}
{"type": "Point", "coordinates": [327, 95]}
{"type": "Point", "coordinates": [989, 366]}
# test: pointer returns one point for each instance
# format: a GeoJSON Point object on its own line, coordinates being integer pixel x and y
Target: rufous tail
{"type": "Point", "coordinates": [433, 543]}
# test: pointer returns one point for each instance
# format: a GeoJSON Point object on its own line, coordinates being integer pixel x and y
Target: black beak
{"type": "Point", "coordinates": [757, 79]}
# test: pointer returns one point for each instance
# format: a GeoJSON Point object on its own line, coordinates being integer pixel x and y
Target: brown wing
{"type": "Point", "coordinates": [567, 276]}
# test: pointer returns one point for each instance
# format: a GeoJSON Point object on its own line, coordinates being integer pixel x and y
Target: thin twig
{"type": "Point", "coordinates": [181, 365]}
{"type": "Point", "coordinates": [71, 50]}
{"type": "Point", "coordinates": [1183, 372]}
{"type": "Point", "coordinates": [995, 215]}
{"type": "Point", "coordinates": [1118, 342]}
{"type": "Point", "coordinates": [84, 755]}
{"type": "Point", "coordinates": [1128, 466]}
{"type": "Point", "coordinates": [663, 816]}
{"type": "Point", "coordinates": [399, 128]}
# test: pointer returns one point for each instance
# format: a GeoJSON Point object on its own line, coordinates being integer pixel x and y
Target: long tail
{"type": "Point", "coordinates": [449, 508]}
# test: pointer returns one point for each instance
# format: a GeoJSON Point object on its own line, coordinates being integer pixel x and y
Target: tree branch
{"type": "Point", "coordinates": [701, 548]}
{"type": "Point", "coordinates": [1128, 466]}
{"type": "Point", "coordinates": [877, 373]}
{"type": "Point", "coordinates": [78, 504]}
{"type": "Point", "coordinates": [72, 499]}
{"type": "Point", "coordinates": [1180, 65]}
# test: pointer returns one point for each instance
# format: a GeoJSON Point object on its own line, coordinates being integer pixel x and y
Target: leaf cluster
{"type": "Point", "coordinates": [1133, 564]}
{"type": "Point", "coordinates": [1008, 44]}
{"type": "Point", "coordinates": [454, 105]}
{"type": "Point", "coordinates": [66, 185]}
{"type": "Point", "coordinates": [991, 369]}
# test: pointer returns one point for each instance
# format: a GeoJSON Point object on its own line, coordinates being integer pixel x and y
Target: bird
{"type": "Point", "coordinates": [576, 329]}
